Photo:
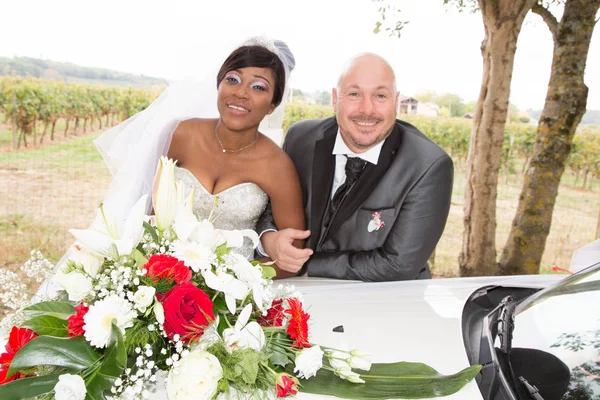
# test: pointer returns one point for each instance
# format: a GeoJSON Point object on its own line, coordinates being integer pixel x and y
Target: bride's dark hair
{"type": "Point", "coordinates": [260, 57]}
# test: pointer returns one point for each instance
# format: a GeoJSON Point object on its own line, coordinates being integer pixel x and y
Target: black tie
{"type": "Point", "coordinates": [354, 167]}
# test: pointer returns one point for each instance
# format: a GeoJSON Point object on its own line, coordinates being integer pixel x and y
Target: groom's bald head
{"type": "Point", "coordinates": [368, 61]}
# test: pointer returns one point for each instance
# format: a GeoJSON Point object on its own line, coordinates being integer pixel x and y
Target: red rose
{"type": "Point", "coordinates": [75, 326]}
{"type": "Point", "coordinates": [274, 315]}
{"type": "Point", "coordinates": [286, 384]}
{"type": "Point", "coordinates": [18, 338]}
{"type": "Point", "coordinates": [162, 266]}
{"type": "Point", "coordinates": [298, 325]}
{"type": "Point", "coordinates": [188, 310]}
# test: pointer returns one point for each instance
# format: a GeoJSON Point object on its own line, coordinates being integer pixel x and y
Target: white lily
{"type": "Point", "coordinates": [187, 202]}
{"type": "Point", "coordinates": [244, 334]}
{"type": "Point", "coordinates": [232, 288]}
{"type": "Point", "coordinates": [251, 275]}
{"type": "Point", "coordinates": [108, 238]}
{"type": "Point", "coordinates": [236, 238]}
{"type": "Point", "coordinates": [164, 194]}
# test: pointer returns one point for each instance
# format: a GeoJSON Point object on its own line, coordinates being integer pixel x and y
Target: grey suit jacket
{"type": "Point", "coordinates": [410, 186]}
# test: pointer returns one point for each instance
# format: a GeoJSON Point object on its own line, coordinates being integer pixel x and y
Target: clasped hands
{"type": "Point", "coordinates": [279, 245]}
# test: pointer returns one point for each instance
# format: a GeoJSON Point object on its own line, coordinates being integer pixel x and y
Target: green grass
{"type": "Point", "coordinates": [77, 154]}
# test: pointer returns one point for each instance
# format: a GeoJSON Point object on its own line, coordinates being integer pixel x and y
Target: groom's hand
{"type": "Point", "coordinates": [280, 248]}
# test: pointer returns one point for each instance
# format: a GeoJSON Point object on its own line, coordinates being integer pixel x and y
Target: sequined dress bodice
{"type": "Point", "coordinates": [237, 207]}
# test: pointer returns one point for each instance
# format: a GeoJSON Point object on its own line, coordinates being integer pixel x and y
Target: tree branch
{"type": "Point", "coordinates": [548, 18]}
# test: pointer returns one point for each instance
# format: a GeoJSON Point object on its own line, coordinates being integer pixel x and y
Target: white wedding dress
{"type": "Point", "coordinates": [235, 208]}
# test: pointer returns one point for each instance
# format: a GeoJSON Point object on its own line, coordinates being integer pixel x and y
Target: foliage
{"type": "Point", "coordinates": [28, 101]}
{"type": "Point", "coordinates": [34, 67]}
{"type": "Point", "coordinates": [295, 112]}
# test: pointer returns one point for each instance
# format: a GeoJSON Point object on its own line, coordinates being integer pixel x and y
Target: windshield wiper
{"type": "Point", "coordinates": [533, 392]}
{"type": "Point", "coordinates": [506, 322]}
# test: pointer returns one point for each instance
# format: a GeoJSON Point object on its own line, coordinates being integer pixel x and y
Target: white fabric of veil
{"type": "Point", "coordinates": [131, 150]}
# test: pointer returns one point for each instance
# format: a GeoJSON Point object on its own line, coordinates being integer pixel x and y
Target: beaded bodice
{"type": "Point", "coordinates": [237, 207]}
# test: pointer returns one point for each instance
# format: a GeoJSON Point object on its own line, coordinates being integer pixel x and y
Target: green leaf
{"type": "Point", "coordinates": [268, 272]}
{"type": "Point", "coordinates": [58, 309]}
{"type": "Point", "coordinates": [403, 379]}
{"type": "Point", "coordinates": [102, 377]}
{"type": "Point", "coordinates": [279, 358]}
{"type": "Point", "coordinates": [75, 354]}
{"type": "Point", "coordinates": [139, 258]}
{"type": "Point", "coordinates": [278, 341]}
{"type": "Point", "coordinates": [28, 387]}
{"type": "Point", "coordinates": [151, 231]}
{"type": "Point", "coordinates": [220, 305]}
{"type": "Point", "coordinates": [46, 325]}
{"type": "Point", "coordinates": [222, 250]}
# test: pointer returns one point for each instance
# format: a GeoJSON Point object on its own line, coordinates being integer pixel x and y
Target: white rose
{"type": "Point", "coordinates": [143, 297]}
{"type": "Point", "coordinates": [308, 362]}
{"type": "Point", "coordinates": [196, 377]}
{"type": "Point", "coordinates": [70, 387]}
{"type": "Point", "coordinates": [91, 263]}
{"type": "Point", "coordinates": [75, 283]}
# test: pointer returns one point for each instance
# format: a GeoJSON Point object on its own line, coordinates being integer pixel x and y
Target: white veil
{"type": "Point", "coordinates": [131, 150]}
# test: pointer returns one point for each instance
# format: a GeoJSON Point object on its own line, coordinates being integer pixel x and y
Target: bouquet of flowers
{"type": "Point", "coordinates": [167, 299]}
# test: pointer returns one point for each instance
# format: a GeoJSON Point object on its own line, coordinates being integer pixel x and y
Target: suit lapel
{"type": "Point", "coordinates": [367, 181]}
{"type": "Point", "coordinates": [323, 170]}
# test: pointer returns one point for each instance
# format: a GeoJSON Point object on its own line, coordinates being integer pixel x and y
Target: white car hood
{"type": "Point", "coordinates": [418, 321]}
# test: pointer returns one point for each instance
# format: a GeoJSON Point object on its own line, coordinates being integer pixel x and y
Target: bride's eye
{"type": "Point", "coordinates": [259, 86]}
{"type": "Point", "coordinates": [233, 79]}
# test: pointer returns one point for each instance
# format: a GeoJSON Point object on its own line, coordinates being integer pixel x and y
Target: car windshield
{"type": "Point", "coordinates": [563, 324]}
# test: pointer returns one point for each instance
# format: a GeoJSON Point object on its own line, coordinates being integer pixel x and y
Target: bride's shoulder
{"type": "Point", "coordinates": [186, 134]}
{"type": "Point", "coordinates": [192, 126]}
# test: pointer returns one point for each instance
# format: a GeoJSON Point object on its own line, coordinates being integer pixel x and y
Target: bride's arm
{"type": "Point", "coordinates": [283, 187]}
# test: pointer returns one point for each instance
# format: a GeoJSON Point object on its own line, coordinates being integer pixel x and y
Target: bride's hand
{"type": "Point", "coordinates": [280, 248]}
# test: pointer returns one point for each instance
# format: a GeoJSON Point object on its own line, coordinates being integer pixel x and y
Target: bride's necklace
{"type": "Point", "coordinates": [234, 150]}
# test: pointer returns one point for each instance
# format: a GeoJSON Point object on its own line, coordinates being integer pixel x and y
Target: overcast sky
{"type": "Point", "coordinates": [439, 49]}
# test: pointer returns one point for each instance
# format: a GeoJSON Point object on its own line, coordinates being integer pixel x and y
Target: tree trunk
{"type": "Point", "coordinates": [14, 122]}
{"type": "Point", "coordinates": [67, 127]}
{"type": "Point", "coordinates": [52, 131]}
{"type": "Point", "coordinates": [34, 133]}
{"type": "Point", "coordinates": [502, 21]}
{"type": "Point", "coordinates": [565, 105]}
{"type": "Point", "coordinates": [85, 120]}
{"type": "Point", "coordinates": [76, 126]}
{"type": "Point", "coordinates": [45, 131]}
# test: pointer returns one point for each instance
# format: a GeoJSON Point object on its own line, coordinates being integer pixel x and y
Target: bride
{"type": "Point", "coordinates": [233, 168]}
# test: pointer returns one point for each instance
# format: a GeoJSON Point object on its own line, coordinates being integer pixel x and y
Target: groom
{"type": "Point", "coordinates": [376, 191]}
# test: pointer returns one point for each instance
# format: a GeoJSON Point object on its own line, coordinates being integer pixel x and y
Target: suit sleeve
{"type": "Point", "coordinates": [266, 222]}
{"type": "Point", "coordinates": [412, 239]}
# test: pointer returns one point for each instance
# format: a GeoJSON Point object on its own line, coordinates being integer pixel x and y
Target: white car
{"type": "Point", "coordinates": [450, 324]}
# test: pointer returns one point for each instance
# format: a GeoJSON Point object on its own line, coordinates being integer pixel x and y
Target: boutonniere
{"type": "Point", "coordinates": [376, 222]}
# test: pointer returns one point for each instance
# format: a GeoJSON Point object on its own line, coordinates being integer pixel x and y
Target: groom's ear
{"type": "Point", "coordinates": [334, 99]}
